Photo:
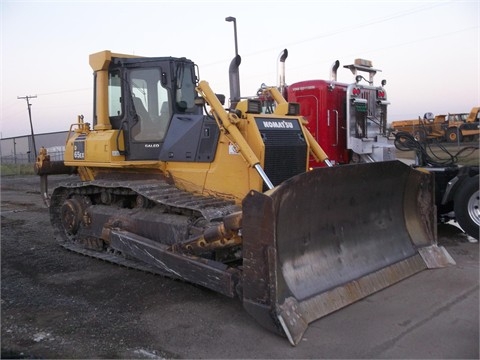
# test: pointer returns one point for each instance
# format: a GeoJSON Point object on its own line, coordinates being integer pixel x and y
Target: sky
{"type": "Point", "coordinates": [428, 51]}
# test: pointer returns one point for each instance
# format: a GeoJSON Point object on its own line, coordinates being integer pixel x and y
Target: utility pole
{"type": "Point", "coordinates": [28, 97]}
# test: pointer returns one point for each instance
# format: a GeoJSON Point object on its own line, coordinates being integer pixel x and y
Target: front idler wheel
{"type": "Point", "coordinates": [72, 214]}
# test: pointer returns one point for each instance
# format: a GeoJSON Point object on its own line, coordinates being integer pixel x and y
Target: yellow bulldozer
{"type": "Point", "coordinates": [171, 181]}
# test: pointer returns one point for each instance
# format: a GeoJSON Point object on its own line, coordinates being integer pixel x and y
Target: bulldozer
{"type": "Point", "coordinates": [172, 182]}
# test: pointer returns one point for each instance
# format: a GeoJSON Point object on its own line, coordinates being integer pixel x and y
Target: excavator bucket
{"type": "Point", "coordinates": [329, 237]}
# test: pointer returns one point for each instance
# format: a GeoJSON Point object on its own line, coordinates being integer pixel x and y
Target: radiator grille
{"type": "Point", "coordinates": [285, 150]}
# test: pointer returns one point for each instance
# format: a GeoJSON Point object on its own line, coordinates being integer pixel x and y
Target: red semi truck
{"type": "Point", "coordinates": [349, 121]}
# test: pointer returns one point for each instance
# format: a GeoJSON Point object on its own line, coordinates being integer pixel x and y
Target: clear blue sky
{"type": "Point", "coordinates": [428, 51]}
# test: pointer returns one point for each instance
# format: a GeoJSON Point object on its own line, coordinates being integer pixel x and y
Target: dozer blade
{"type": "Point", "coordinates": [327, 238]}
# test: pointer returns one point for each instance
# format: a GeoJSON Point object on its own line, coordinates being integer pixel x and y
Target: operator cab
{"type": "Point", "coordinates": [143, 96]}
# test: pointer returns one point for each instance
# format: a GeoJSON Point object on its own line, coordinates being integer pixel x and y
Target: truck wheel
{"type": "Point", "coordinates": [466, 206]}
{"type": "Point", "coordinates": [453, 135]}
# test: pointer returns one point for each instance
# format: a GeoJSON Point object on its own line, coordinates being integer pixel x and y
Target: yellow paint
{"type": "Point", "coordinates": [101, 147]}
{"type": "Point", "coordinates": [231, 175]}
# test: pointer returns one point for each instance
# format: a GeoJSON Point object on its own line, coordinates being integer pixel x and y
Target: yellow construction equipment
{"type": "Point", "coordinates": [451, 127]}
{"type": "Point", "coordinates": [172, 182]}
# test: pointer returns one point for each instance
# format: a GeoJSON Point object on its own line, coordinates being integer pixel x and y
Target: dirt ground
{"type": "Point", "coordinates": [58, 304]}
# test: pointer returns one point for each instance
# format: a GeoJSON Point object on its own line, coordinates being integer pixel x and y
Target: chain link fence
{"type": "Point", "coordinates": [17, 155]}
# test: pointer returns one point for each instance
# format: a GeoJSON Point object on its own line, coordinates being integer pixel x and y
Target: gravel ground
{"type": "Point", "coordinates": [58, 304]}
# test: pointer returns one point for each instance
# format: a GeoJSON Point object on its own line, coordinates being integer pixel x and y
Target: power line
{"type": "Point", "coordinates": [65, 91]}
{"type": "Point", "coordinates": [368, 23]}
{"type": "Point", "coordinates": [304, 65]}
{"type": "Point", "coordinates": [342, 30]}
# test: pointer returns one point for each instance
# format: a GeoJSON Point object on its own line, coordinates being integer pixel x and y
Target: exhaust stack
{"type": "Point", "coordinates": [233, 73]}
{"type": "Point", "coordinates": [333, 71]}
{"type": "Point", "coordinates": [234, 79]}
{"type": "Point", "coordinates": [281, 71]}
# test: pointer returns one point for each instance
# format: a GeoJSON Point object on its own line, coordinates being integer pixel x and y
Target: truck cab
{"type": "Point", "coordinates": [348, 120]}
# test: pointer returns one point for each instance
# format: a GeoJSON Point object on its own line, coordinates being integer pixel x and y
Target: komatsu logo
{"type": "Point", "coordinates": [278, 124]}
